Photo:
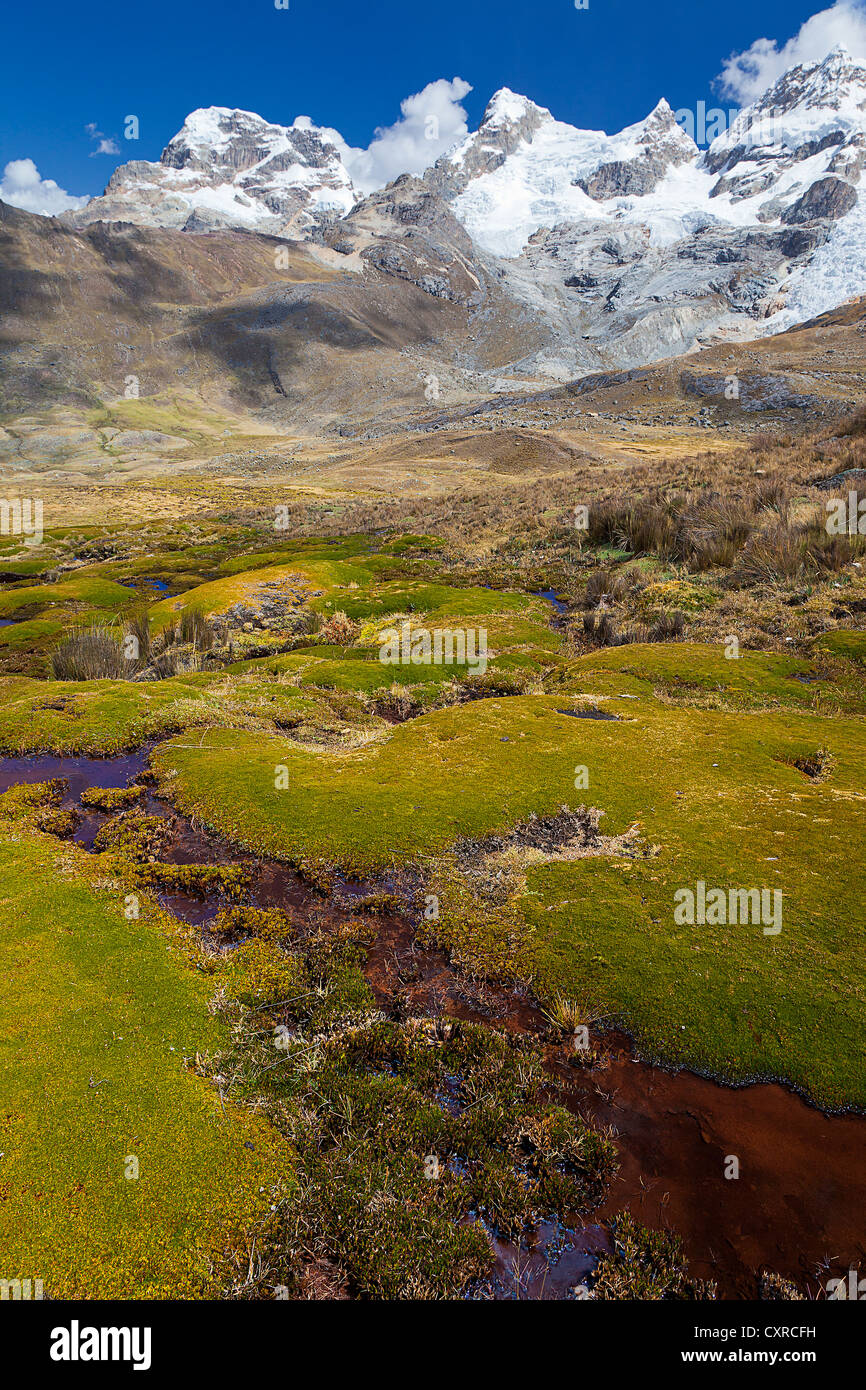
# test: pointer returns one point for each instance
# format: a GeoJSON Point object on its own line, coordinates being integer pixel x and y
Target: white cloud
{"type": "Point", "coordinates": [105, 144]}
{"type": "Point", "coordinates": [22, 187]}
{"type": "Point", "coordinates": [746, 76]}
{"type": "Point", "coordinates": [432, 121]}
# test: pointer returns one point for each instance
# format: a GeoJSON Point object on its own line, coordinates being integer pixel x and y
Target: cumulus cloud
{"type": "Point", "coordinates": [432, 121]}
{"type": "Point", "coordinates": [22, 187]}
{"type": "Point", "coordinates": [747, 75]}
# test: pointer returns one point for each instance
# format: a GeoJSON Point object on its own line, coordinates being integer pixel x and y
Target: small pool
{"type": "Point", "coordinates": [550, 595]}
{"type": "Point", "coordinates": [159, 586]}
{"type": "Point", "coordinates": [588, 714]}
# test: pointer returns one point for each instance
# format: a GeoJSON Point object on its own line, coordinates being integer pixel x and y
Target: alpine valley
{"type": "Point", "coordinates": [244, 266]}
{"type": "Point", "coordinates": [432, 712]}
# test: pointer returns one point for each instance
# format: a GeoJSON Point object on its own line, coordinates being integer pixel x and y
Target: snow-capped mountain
{"type": "Point", "coordinates": [523, 170]}
{"type": "Point", "coordinates": [610, 249]}
{"type": "Point", "coordinates": [810, 126]}
{"type": "Point", "coordinates": [231, 168]}
{"type": "Point", "coordinates": [814, 113]}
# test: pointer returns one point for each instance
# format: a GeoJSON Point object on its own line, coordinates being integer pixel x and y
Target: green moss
{"type": "Point", "coordinates": [55, 821]}
{"type": "Point", "coordinates": [19, 800]}
{"type": "Point", "coordinates": [38, 633]}
{"type": "Point", "coordinates": [112, 798]}
{"type": "Point", "coordinates": [133, 834]}
{"type": "Point", "coordinates": [258, 975]}
{"type": "Point", "coordinates": [218, 595]}
{"type": "Point", "coordinates": [850, 645]}
{"type": "Point", "coordinates": [437, 602]}
{"type": "Point", "coordinates": [25, 569]}
{"type": "Point", "coordinates": [93, 593]}
{"type": "Point", "coordinates": [103, 1027]}
{"type": "Point", "coordinates": [694, 672]}
{"type": "Point", "coordinates": [200, 880]}
{"type": "Point", "coordinates": [673, 595]}
{"type": "Point", "coordinates": [697, 782]}
{"type": "Point", "coordinates": [104, 717]}
{"type": "Point", "coordinates": [269, 923]}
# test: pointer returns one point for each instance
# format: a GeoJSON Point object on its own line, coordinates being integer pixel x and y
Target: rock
{"type": "Point", "coordinates": [829, 198]}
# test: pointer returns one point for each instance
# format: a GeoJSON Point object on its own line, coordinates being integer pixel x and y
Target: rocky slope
{"type": "Point", "coordinates": [293, 333]}
{"type": "Point", "coordinates": [244, 268]}
{"type": "Point", "coordinates": [638, 246]}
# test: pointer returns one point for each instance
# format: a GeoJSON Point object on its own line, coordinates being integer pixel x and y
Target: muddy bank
{"type": "Point", "coordinates": [797, 1207]}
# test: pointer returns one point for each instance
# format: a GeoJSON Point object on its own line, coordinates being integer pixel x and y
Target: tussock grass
{"type": "Point", "coordinates": [89, 654]}
{"type": "Point", "coordinates": [646, 1265]}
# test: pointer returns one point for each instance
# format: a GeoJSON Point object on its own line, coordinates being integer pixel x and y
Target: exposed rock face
{"type": "Point", "coordinates": [613, 297]}
{"type": "Point", "coordinates": [409, 232]}
{"type": "Point", "coordinates": [508, 122]}
{"type": "Point", "coordinates": [756, 392]}
{"type": "Point", "coordinates": [811, 122]}
{"type": "Point", "coordinates": [662, 146]}
{"type": "Point", "coordinates": [636, 176]}
{"type": "Point", "coordinates": [828, 197]}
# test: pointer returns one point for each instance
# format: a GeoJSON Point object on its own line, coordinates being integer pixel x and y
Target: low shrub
{"type": "Point", "coordinates": [647, 1265]}
{"type": "Point", "coordinates": [339, 629]}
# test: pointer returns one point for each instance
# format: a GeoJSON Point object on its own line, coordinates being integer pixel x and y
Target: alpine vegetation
{"type": "Point", "coordinates": [421, 646]}
{"type": "Point", "coordinates": [718, 907]}
{"type": "Point", "coordinates": [432, 650]}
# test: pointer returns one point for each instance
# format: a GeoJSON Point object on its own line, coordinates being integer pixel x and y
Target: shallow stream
{"type": "Point", "coordinates": [798, 1206]}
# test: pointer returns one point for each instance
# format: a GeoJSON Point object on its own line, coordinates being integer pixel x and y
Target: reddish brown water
{"type": "Point", "coordinates": [798, 1207]}
{"type": "Point", "coordinates": [81, 773]}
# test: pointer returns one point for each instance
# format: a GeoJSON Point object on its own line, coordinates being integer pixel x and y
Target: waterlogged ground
{"type": "Point", "coordinates": [306, 847]}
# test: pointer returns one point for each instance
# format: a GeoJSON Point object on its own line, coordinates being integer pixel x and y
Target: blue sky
{"type": "Point", "coordinates": [348, 64]}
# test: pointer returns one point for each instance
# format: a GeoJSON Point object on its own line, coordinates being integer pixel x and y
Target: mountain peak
{"type": "Point", "coordinates": [836, 82]}
{"type": "Point", "coordinates": [510, 108]}
{"type": "Point", "coordinates": [661, 123]}
{"type": "Point", "coordinates": [811, 106]}
{"type": "Point", "coordinates": [228, 167]}
{"type": "Point", "coordinates": [215, 126]}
